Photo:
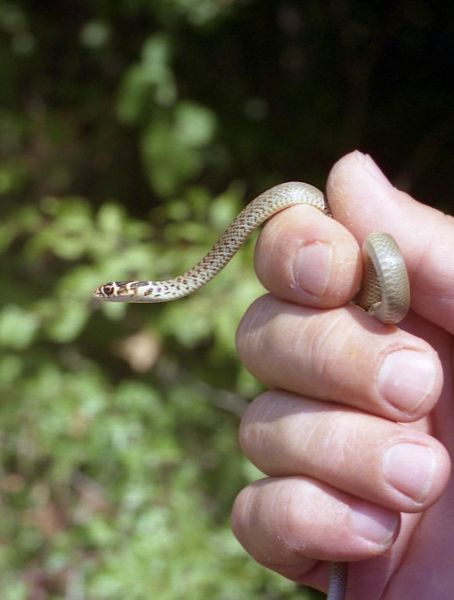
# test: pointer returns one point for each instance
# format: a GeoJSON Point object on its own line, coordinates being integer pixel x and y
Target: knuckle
{"type": "Point", "coordinates": [250, 326]}
{"type": "Point", "coordinates": [254, 431]}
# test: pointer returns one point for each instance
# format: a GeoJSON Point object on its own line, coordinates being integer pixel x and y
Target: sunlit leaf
{"type": "Point", "coordinates": [17, 327]}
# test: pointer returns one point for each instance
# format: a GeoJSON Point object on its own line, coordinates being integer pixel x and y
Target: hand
{"type": "Point", "coordinates": [355, 431]}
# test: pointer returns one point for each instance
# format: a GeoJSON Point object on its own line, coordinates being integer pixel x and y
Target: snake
{"type": "Point", "coordinates": [384, 292]}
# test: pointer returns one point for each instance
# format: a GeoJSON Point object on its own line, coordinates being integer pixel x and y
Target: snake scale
{"type": "Point", "coordinates": [385, 291]}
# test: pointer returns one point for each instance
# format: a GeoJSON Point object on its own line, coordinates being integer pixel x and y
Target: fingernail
{"type": "Point", "coordinates": [374, 524]}
{"type": "Point", "coordinates": [406, 378]}
{"type": "Point", "coordinates": [371, 167]}
{"type": "Point", "coordinates": [312, 268]}
{"type": "Point", "coordinates": [410, 469]}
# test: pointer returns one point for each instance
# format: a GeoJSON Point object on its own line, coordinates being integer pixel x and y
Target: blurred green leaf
{"type": "Point", "coordinates": [17, 327]}
{"type": "Point", "coordinates": [94, 34]}
{"type": "Point", "coordinates": [69, 323]}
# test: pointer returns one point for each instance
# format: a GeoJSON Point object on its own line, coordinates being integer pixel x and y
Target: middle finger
{"type": "Point", "coordinates": [342, 355]}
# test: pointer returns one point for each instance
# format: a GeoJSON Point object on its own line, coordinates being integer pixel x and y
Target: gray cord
{"type": "Point", "coordinates": [337, 581]}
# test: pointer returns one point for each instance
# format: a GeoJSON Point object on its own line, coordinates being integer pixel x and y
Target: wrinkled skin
{"type": "Point", "coordinates": [355, 434]}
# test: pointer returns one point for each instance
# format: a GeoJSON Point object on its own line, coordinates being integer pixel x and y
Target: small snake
{"type": "Point", "coordinates": [385, 291]}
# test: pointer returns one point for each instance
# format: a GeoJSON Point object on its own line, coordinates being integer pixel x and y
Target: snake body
{"type": "Point", "coordinates": [256, 212]}
{"type": "Point", "coordinates": [385, 291]}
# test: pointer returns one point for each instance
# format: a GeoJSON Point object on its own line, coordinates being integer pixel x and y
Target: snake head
{"type": "Point", "coordinates": [106, 290]}
{"type": "Point", "coordinates": [118, 291]}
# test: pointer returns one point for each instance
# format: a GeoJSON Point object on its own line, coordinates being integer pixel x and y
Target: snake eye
{"type": "Point", "coordinates": [108, 289]}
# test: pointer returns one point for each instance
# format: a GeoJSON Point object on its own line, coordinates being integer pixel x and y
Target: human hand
{"type": "Point", "coordinates": [355, 431]}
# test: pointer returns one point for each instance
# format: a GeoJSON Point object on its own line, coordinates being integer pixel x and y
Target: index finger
{"type": "Point", "coordinates": [308, 258]}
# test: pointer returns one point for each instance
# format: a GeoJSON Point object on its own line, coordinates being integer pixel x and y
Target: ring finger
{"type": "Point", "coordinates": [342, 355]}
{"type": "Point", "coordinates": [398, 467]}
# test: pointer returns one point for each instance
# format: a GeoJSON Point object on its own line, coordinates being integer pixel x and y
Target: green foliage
{"type": "Point", "coordinates": [131, 133]}
{"type": "Point", "coordinates": [119, 454]}
{"type": "Point", "coordinates": [118, 478]}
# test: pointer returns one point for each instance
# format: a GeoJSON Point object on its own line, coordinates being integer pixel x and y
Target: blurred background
{"type": "Point", "coordinates": [131, 133]}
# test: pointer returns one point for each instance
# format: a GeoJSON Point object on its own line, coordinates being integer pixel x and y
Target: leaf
{"type": "Point", "coordinates": [17, 327]}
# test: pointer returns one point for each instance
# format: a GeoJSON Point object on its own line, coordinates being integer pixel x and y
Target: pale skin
{"type": "Point", "coordinates": [355, 434]}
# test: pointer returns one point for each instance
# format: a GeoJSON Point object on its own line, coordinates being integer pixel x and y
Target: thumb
{"type": "Point", "coordinates": [362, 199]}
